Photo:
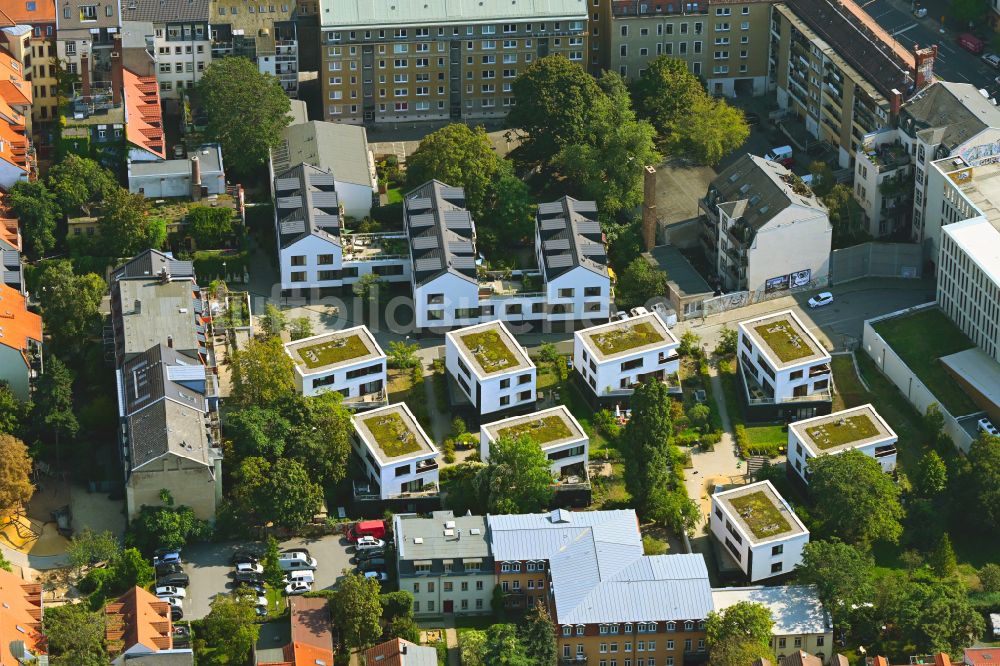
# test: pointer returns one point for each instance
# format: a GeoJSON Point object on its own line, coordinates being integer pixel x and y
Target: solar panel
{"type": "Point", "coordinates": [293, 227]}
{"type": "Point", "coordinates": [424, 242]}
{"type": "Point", "coordinates": [418, 203]}
{"type": "Point", "coordinates": [556, 244]}
{"type": "Point", "coordinates": [550, 208]}
{"type": "Point", "coordinates": [429, 264]}
{"type": "Point", "coordinates": [457, 219]}
{"type": "Point", "coordinates": [591, 249]}
{"type": "Point", "coordinates": [460, 247]}
{"type": "Point", "coordinates": [588, 227]}
{"type": "Point", "coordinates": [325, 199]}
{"type": "Point", "coordinates": [452, 193]}
{"type": "Point", "coordinates": [585, 206]}
{"type": "Point", "coordinates": [554, 224]}
{"type": "Point", "coordinates": [463, 263]}
{"type": "Point", "coordinates": [422, 220]}
{"type": "Point", "coordinates": [320, 178]}
{"type": "Point", "coordinates": [292, 201]}
{"type": "Point", "coordinates": [559, 261]}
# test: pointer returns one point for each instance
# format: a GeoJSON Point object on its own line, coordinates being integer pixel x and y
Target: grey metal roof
{"type": "Point", "coordinates": [335, 147]}
{"type": "Point", "coordinates": [165, 11]}
{"type": "Point", "coordinates": [443, 536]}
{"type": "Point", "coordinates": [795, 609]}
{"type": "Point", "coordinates": [167, 427]}
{"type": "Point", "coordinates": [957, 110]}
{"type": "Point", "coordinates": [209, 159]}
{"type": "Point", "coordinates": [353, 13]}
{"type": "Point", "coordinates": [152, 263]}
{"type": "Point", "coordinates": [155, 312]}
{"type": "Point", "coordinates": [306, 204]}
{"type": "Point", "coordinates": [162, 373]}
{"type": "Point", "coordinates": [571, 236]}
{"type": "Point", "coordinates": [174, 657]}
{"type": "Point", "coordinates": [442, 233]}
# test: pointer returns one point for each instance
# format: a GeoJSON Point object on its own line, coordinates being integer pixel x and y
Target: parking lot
{"type": "Point", "coordinates": [209, 567]}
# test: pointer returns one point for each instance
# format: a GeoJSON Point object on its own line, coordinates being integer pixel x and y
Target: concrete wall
{"type": "Point", "coordinates": [356, 199]}
{"type": "Point", "coordinates": [895, 260]}
{"type": "Point", "coordinates": [893, 367]}
{"type": "Point", "coordinates": [793, 241]}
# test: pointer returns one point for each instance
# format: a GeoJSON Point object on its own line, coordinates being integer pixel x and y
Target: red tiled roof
{"type": "Point", "coordinates": [144, 119]}
{"type": "Point", "coordinates": [388, 653]}
{"type": "Point", "coordinates": [982, 656]}
{"type": "Point", "coordinates": [138, 617]}
{"type": "Point", "coordinates": [21, 617]}
{"type": "Point", "coordinates": [19, 11]}
{"type": "Point", "coordinates": [10, 231]}
{"type": "Point", "coordinates": [17, 325]}
{"type": "Point", "coordinates": [312, 635]}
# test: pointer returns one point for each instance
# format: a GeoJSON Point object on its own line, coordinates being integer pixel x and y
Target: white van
{"type": "Point", "coordinates": [296, 561]}
{"type": "Point", "coordinates": [782, 155]}
{"type": "Point", "coordinates": [302, 576]}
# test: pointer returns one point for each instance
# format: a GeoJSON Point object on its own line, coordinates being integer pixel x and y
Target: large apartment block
{"type": "Point", "coordinates": [969, 281]}
{"type": "Point", "coordinates": [265, 33]}
{"type": "Point", "coordinates": [177, 35]}
{"type": "Point", "coordinates": [724, 42]}
{"type": "Point", "coordinates": [437, 60]}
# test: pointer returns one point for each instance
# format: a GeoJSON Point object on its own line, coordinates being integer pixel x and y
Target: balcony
{"type": "Point", "coordinates": [889, 450]}
{"type": "Point", "coordinates": [375, 247]}
{"type": "Point", "coordinates": [819, 370]}
{"type": "Point", "coordinates": [670, 380]}
{"type": "Point", "coordinates": [889, 157]}
{"type": "Point", "coordinates": [500, 284]}
{"type": "Point", "coordinates": [756, 394]}
{"type": "Point", "coordinates": [578, 658]}
{"type": "Point", "coordinates": [426, 466]}
{"type": "Point", "coordinates": [367, 401]}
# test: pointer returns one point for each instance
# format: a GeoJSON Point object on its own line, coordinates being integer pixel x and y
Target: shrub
{"type": "Point", "coordinates": [449, 450]}
{"type": "Point", "coordinates": [605, 423]}
{"type": "Point", "coordinates": [742, 440]}
{"type": "Point", "coordinates": [467, 441]}
{"type": "Point", "coordinates": [989, 578]}
{"type": "Point", "coordinates": [457, 426]}
{"type": "Point", "coordinates": [653, 546]}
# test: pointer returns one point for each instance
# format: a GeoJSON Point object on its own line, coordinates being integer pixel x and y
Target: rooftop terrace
{"type": "Point", "coordinates": [761, 512]}
{"type": "Point", "coordinates": [635, 334]}
{"type": "Point", "coordinates": [392, 432]}
{"type": "Point", "coordinates": [547, 428]}
{"type": "Point", "coordinates": [843, 430]}
{"type": "Point", "coordinates": [491, 349]}
{"type": "Point", "coordinates": [783, 338]}
{"type": "Point", "coordinates": [330, 350]}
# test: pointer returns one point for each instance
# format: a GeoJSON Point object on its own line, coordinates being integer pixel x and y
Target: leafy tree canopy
{"type": "Point", "coordinates": [744, 621]}
{"type": "Point", "coordinates": [665, 93]}
{"type": "Point", "coordinates": [125, 227]}
{"type": "Point", "coordinates": [638, 283]}
{"type": "Point", "coordinates": [536, 634]}
{"type": "Point", "coordinates": [209, 227]}
{"type": "Point", "coordinates": [843, 575]}
{"type": "Point", "coordinates": [357, 609]}
{"type": "Point", "coordinates": [281, 493]}
{"type": "Point", "coordinates": [646, 445]}
{"type": "Point", "coordinates": [231, 626]}
{"type": "Point", "coordinates": [75, 635]}
{"type": "Point", "coordinates": [262, 373]}
{"type": "Point", "coordinates": [517, 478]}
{"type": "Point", "coordinates": [37, 210]}
{"type": "Point", "coordinates": [70, 304]}
{"type": "Point", "coordinates": [78, 183]}
{"type": "Point", "coordinates": [166, 527]}
{"type": "Point", "coordinates": [713, 130]}
{"type": "Point", "coordinates": [15, 474]}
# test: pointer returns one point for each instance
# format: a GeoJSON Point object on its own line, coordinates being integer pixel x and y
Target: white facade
{"type": "Point", "coordinates": [803, 375]}
{"type": "Point", "coordinates": [760, 557]}
{"type": "Point", "coordinates": [969, 281]}
{"type": "Point", "coordinates": [182, 54]}
{"type": "Point", "coordinates": [311, 261]}
{"type": "Point", "coordinates": [391, 476]}
{"type": "Point", "coordinates": [360, 379]}
{"type": "Point", "coordinates": [791, 243]}
{"type": "Point", "coordinates": [856, 429]}
{"type": "Point", "coordinates": [882, 167]}
{"type": "Point", "coordinates": [580, 294]}
{"type": "Point", "coordinates": [651, 353]}
{"type": "Point", "coordinates": [172, 178]}
{"type": "Point", "coordinates": [490, 386]}
{"type": "Point", "coordinates": [446, 301]}
{"type": "Point", "coordinates": [571, 450]}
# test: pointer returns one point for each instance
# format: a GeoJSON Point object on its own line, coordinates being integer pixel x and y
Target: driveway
{"type": "Point", "coordinates": [208, 566]}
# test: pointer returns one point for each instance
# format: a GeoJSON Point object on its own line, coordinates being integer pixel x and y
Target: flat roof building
{"type": "Point", "coordinates": [348, 361]}
{"type": "Point", "coordinates": [858, 428]}
{"type": "Point", "coordinates": [396, 453]}
{"type": "Point", "coordinates": [492, 370]}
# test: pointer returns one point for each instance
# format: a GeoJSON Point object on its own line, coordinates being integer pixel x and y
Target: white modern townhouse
{"type": "Point", "coordinates": [492, 370]}
{"type": "Point", "coordinates": [569, 246]}
{"type": "Point", "coordinates": [348, 361]}
{"type": "Point", "coordinates": [614, 358]}
{"type": "Point", "coordinates": [314, 251]}
{"type": "Point", "coordinates": [858, 428]}
{"type": "Point", "coordinates": [398, 457]}
{"type": "Point", "coordinates": [557, 433]}
{"type": "Point", "coordinates": [784, 370]}
{"type": "Point", "coordinates": [758, 529]}
{"type": "Point", "coordinates": [765, 230]}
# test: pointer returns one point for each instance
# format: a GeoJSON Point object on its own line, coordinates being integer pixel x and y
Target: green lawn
{"type": "Point", "coordinates": [784, 341]}
{"type": "Point", "coordinates": [392, 434]}
{"type": "Point", "coordinates": [921, 339]}
{"type": "Point", "coordinates": [332, 351]}
{"type": "Point", "coordinates": [394, 195]}
{"type": "Point", "coordinates": [770, 438]}
{"type": "Point", "coordinates": [761, 516]}
{"type": "Point", "coordinates": [490, 351]}
{"type": "Point", "coordinates": [617, 340]}
{"type": "Point", "coordinates": [853, 429]}
{"type": "Point", "coordinates": [542, 431]}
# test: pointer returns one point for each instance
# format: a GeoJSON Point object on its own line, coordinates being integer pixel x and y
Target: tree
{"type": "Point", "coordinates": [728, 339]}
{"type": "Point", "coordinates": [231, 626]}
{"type": "Point", "coordinates": [402, 355]}
{"type": "Point", "coordinates": [273, 321]}
{"type": "Point", "coordinates": [166, 527]}
{"type": "Point", "coordinates": [672, 508]}
{"type": "Point", "coordinates": [472, 645]}
{"type": "Point", "coordinates": [665, 93]}
{"type": "Point", "coordinates": [15, 474]}
{"type": "Point", "coordinates": [5, 563]}
{"type": "Point", "coordinates": [70, 305]}
{"type": "Point", "coordinates": [942, 558]}
{"type": "Point", "coordinates": [13, 412]}
{"type": "Point", "coordinates": [462, 488]}
{"type": "Point", "coordinates": [247, 111]}
{"type": "Point", "coordinates": [509, 220]}
{"type": "Point", "coordinates": [209, 227]}
{"type": "Point", "coordinates": [968, 11]}
{"type": "Point", "coordinates": [932, 474]}
{"type": "Point", "coordinates": [503, 648]}
{"type": "Point", "coordinates": [517, 478]}
{"type": "Point", "coordinates": [554, 101]}
{"type": "Point", "coordinates": [300, 327]}
{"type": "Point", "coordinates": [638, 283]}
{"type": "Point", "coordinates": [698, 414]}
{"type": "Point", "coordinates": [357, 609]}
{"type": "Point", "coordinates": [273, 574]}
{"type": "Point", "coordinates": [982, 479]}
{"type": "Point", "coordinates": [36, 209]}
{"type": "Point", "coordinates": [460, 156]}
{"type": "Point", "coordinates": [281, 493]}
{"type": "Point", "coordinates": [854, 499]}
{"type": "Point", "coordinates": [124, 226]}
{"type": "Point", "coordinates": [744, 621]}
{"type": "Point", "coordinates": [537, 636]}
{"type": "Point", "coordinates": [846, 217]}
{"type": "Point", "coordinates": [54, 402]}
{"type": "Point", "coordinates": [734, 652]}
{"type": "Point", "coordinates": [78, 182]}
{"type": "Point", "coordinates": [844, 576]}
{"type": "Point", "coordinates": [258, 431]}
{"type": "Point", "coordinates": [87, 548]}
{"type": "Point", "coordinates": [713, 130]}
{"type": "Point", "coordinates": [823, 178]}
{"type": "Point", "coordinates": [989, 577]}
{"type": "Point", "coordinates": [646, 445]}
{"type": "Point", "coordinates": [262, 373]}
{"type": "Point", "coordinates": [75, 635]}
{"type": "Point", "coordinates": [320, 437]}
{"type": "Point", "coordinates": [128, 569]}
{"type": "Point", "coordinates": [366, 288]}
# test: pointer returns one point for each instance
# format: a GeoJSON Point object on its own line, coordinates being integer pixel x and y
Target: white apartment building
{"type": "Point", "coordinates": [491, 368]}
{"type": "Point", "coordinates": [398, 457]}
{"type": "Point", "coordinates": [314, 252]}
{"type": "Point", "coordinates": [856, 429]}
{"type": "Point", "coordinates": [765, 230]}
{"type": "Point", "coordinates": [556, 432]}
{"type": "Point", "coordinates": [177, 34]}
{"type": "Point", "coordinates": [882, 170]}
{"type": "Point", "coordinates": [758, 529]}
{"type": "Point", "coordinates": [349, 362]}
{"type": "Point", "coordinates": [969, 281]}
{"type": "Point", "coordinates": [800, 621]}
{"type": "Point", "coordinates": [784, 370]}
{"type": "Point", "coordinates": [614, 358]}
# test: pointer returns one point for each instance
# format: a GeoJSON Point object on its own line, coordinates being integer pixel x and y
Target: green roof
{"type": "Point", "coordinates": [760, 514]}
{"type": "Point", "coordinates": [621, 339]}
{"type": "Point", "coordinates": [542, 431]}
{"type": "Point", "coordinates": [490, 351]}
{"type": "Point", "coordinates": [784, 340]}
{"type": "Point", "coordinates": [331, 351]}
{"type": "Point", "coordinates": [392, 434]}
{"type": "Point", "coordinates": [842, 431]}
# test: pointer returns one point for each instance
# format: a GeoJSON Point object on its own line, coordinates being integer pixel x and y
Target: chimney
{"type": "Point", "coordinates": [925, 58]}
{"type": "Point", "coordinates": [649, 209]}
{"type": "Point", "coordinates": [85, 73]}
{"type": "Point", "coordinates": [117, 75]}
{"type": "Point", "coordinates": [402, 648]}
{"type": "Point", "coordinates": [195, 178]}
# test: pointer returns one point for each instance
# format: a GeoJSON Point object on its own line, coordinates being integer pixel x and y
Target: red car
{"type": "Point", "coordinates": [372, 528]}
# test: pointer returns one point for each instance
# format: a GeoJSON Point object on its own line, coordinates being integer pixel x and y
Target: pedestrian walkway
{"type": "Point", "coordinates": [451, 642]}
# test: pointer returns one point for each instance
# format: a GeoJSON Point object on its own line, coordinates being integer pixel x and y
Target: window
{"type": "Point", "coordinates": [89, 12]}
{"type": "Point", "coordinates": [524, 379]}
{"type": "Point", "coordinates": [299, 276]}
{"type": "Point", "coordinates": [504, 400]}
{"type": "Point", "coordinates": [776, 567]}
{"type": "Point", "coordinates": [781, 643]}
{"type": "Point", "coordinates": [777, 550]}
{"type": "Point", "coordinates": [524, 395]}
{"type": "Point", "coordinates": [819, 641]}
{"type": "Point", "coordinates": [797, 642]}
{"type": "Point", "coordinates": [566, 293]}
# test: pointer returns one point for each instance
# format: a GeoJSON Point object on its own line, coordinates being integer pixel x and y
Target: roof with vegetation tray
{"type": "Point", "coordinates": [491, 349]}
{"type": "Point", "coordinates": [629, 336]}
{"type": "Point", "coordinates": [784, 339]}
{"type": "Point", "coordinates": [548, 428]}
{"type": "Point", "coordinates": [846, 429]}
{"type": "Point", "coordinates": [392, 433]}
{"type": "Point", "coordinates": [321, 353]}
{"type": "Point", "coordinates": [761, 512]}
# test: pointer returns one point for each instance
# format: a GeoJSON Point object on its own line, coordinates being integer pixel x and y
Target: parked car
{"type": "Point", "coordinates": [821, 299]}
{"type": "Point", "coordinates": [175, 602]}
{"type": "Point", "coordinates": [249, 566]}
{"type": "Point", "coordinates": [986, 425]}
{"type": "Point", "coordinates": [377, 564]}
{"type": "Point", "coordinates": [971, 43]}
{"type": "Point", "coordinates": [175, 579]}
{"type": "Point", "coordinates": [167, 568]}
{"type": "Point", "coordinates": [292, 551]}
{"type": "Point", "coordinates": [368, 542]}
{"type": "Point", "coordinates": [369, 554]}
{"type": "Point", "coordinates": [256, 586]}
{"type": "Point", "coordinates": [171, 591]}
{"type": "Point", "coordinates": [303, 576]}
{"type": "Point", "coordinates": [248, 577]}
{"type": "Point", "coordinates": [782, 155]}
{"type": "Point", "coordinates": [176, 613]}
{"type": "Point", "coordinates": [296, 561]}
{"type": "Point", "coordinates": [919, 12]}
{"type": "Point", "coordinates": [372, 528]}
{"type": "Point", "coordinates": [991, 59]}
{"type": "Point", "coordinates": [380, 576]}
{"type": "Point", "coordinates": [261, 601]}
{"type": "Point", "coordinates": [638, 311]}
{"type": "Point", "coordinates": [244, 555]}
{"type": "Point", "coordinates": [260, 610]}
{"type": "Point", "coordinates": [298, 587]}
{"type": "Point", "coordinates": [166, 555]}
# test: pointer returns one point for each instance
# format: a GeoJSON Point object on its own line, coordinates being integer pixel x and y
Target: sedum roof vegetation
{"type": "Point", "coordinates": [392, 434]}
{"type": "Point", "coordinates": [842, 431]}
{"type": "Point", "coordinates": [333, 351]}
{"type": "Point", "coordinates": [542, 431]}
{"type": "Point", "coordinates": [784, 340]}
{"type": "Point", "coordinates": [760, 514]}
{"type": "Point", "coordinates": [490, 351]}
{"type": "Point", "coordinates": [618, 340]}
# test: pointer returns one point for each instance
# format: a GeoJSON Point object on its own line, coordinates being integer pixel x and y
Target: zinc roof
{"type": "Point", "coordinates": [435, 542]}
{"type": "Point", "coordinates": [795, 609]}
{"type": "Point", "coordinates": [354, 13]}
